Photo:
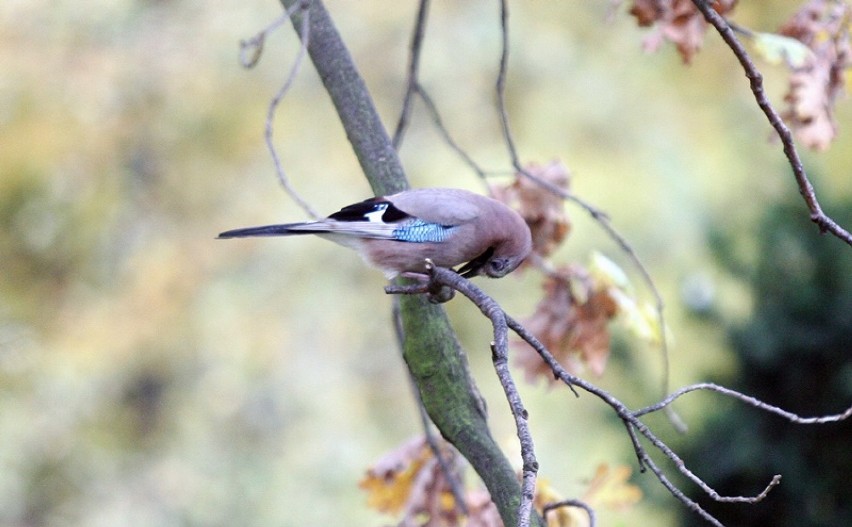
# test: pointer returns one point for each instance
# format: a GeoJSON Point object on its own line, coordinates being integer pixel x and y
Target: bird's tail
{"type": "Point", "coordinates": [285, 229]}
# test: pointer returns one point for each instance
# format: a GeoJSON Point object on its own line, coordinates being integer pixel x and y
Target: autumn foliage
{"type": "Point", "coordinates": [675, 21]}
{"type": "Point", "coordinates": [410, 484]}
{"type": "Point", "coordinates": [813, 45]}
{"type": "Point", "coordinates": [818, 80]}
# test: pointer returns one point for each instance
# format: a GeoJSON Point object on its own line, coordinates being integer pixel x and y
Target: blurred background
{"type": "Point", "coordinates": [151, 375]}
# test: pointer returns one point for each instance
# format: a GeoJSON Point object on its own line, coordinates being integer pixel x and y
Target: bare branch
{"type": "Point", "coordinates": [413, 87]}
{"type": "Point", "coordinates": [502, 73]}
{"type": "Point", "coordinates": [571, 503]}
{"type": "Point", "coordinates": [823, 221]}
{"type": "Point", "coordinates": [600, 217]}
{"type": "Point", "coordinates": [790, 416]}
{"type": "Point", "coordinates": [412, 83]}
{"type": "Point", "coordinates": [439, 277]}
{"type": "Point", "coordinates": [634, 424]}
{"type": "Point", "coordinates": [250, 52]}
{"type": "Point", "coordinates": [445, 133]}
{"type": "Point", "coordinates": [500, 358]}
{"type": "Point", "coordinates": [301, 6]}
{"type": "Point", "coordinates": [251, 49]}
{"type": "Point", "coordinates": [690, 504]}
{"type": "Point", "coordinates": [426, 423]}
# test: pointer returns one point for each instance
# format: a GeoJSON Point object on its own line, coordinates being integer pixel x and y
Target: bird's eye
{"type": "Point", "coordinates": [498, 265]}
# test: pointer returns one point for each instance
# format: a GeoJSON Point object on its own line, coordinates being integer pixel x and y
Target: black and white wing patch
{"type": "Point", "coordinates": [381, 219]}
{"type": "Point", "coordinates": [371, 210]}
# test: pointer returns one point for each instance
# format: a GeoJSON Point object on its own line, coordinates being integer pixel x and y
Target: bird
{"type": "Point", "coordinates": [398, 233]}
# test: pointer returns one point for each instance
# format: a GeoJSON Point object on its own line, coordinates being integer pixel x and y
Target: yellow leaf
{"type": "Point", "coordinates": [610, 488]}
{"type": "Point", "coordinates": [389, 487]}
{"type": "Point", "coordinates": [409, 482]}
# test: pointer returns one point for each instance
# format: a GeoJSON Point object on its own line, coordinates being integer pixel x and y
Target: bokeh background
{"type": "Point", "coordinates": [151, 375]}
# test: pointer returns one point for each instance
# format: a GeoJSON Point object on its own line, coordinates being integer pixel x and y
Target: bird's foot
{"type": "Point", "coordinates": [424, 283]}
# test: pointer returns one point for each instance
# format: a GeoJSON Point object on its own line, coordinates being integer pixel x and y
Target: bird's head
{"type": "Point", "coordinates": [509, 249]}
{"type": "Point", "coordinates": [500, 267]}
{"type": "Point", "coordinates": [512, 249]}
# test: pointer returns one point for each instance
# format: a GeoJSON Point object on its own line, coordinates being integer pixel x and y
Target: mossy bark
{"type": "Point", "coordinates": [431, 350]}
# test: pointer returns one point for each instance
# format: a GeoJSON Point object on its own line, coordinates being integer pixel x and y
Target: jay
{"type": "Point", "coordinates": [398, 233]}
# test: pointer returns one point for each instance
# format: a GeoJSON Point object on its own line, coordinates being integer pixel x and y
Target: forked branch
{"type": "Point", "coordinates": [440, 278]}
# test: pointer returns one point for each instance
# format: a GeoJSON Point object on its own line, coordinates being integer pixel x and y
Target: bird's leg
{"type": "Point", "coordinates": [420, 278]}
{"type": "Point", "coordinates": [437, 293]}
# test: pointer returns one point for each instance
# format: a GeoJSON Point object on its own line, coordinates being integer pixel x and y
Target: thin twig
{"type": "Point", "coordinates": [276, 100]}
{"type": "Point", "coordinates": [625, 414]}
{"type": "Point", "coordinates": [634, 424]}
{"type": "Point", "coordinates": [676, 492]}
{"type": "Point", "coordinates": [824, 222]}
{"type": "Point", "coordinates": [431, 440]}
{"type": "Point", "coordinates": [502, 73]}
{"type": "Point", "coordinates": [631, 419]}
{"type": "Point", "coordinates": [643, 429]}
{"type": "Point", "coordinates": [500, 358]}
{"type": "Point", "coordinates": [412, 83]}
{"type": "Point", "coordinates": [597, 214]}
{"type": "Point", "coordinates": [413, 87]}
{"type": "Point", "coordinates": [790, 416]}
{"type": "Point", "coordinates": [445, 133]}
{"type": "Point", "coordinates": [637, 446]}
{"type": "Point", "coordinates": [570, 503]}
{"type": "Point", "coordinates": [251, 49]}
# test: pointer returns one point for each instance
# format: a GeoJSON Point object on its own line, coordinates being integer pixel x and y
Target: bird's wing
{"type": "Point", "coordinates": [443, 206]}
{"type": "Point", "coordinates": [419, 216]}
{"type": "Point", "coordinates": [379, 218]}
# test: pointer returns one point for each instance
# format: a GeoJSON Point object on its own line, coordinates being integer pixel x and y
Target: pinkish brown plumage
{"type": "Point", "coordinates": [397, 233]}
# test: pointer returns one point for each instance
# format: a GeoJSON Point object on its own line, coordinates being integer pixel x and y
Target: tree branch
{"type": "Point", "coordinates": [431, 349]}
{"type": "Point", "coordinates": [571, 503]}
{"type": "Point", "coordinates": [823, 221]}
{"type": "Point", "coordinates": [451, 476]}
{"type": "Point", "coordinates": [257, 43]}
{"type": "Point", "coordinates": [500, 358]}
{"type": "Point", "coordinates": [412, 85]}
{"type": "Point", "coordinates": [501, 322]}
{"type": "Point", "coordinates": [597, 214]}
{"type": "Point", "coordinates": [350, 97]}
